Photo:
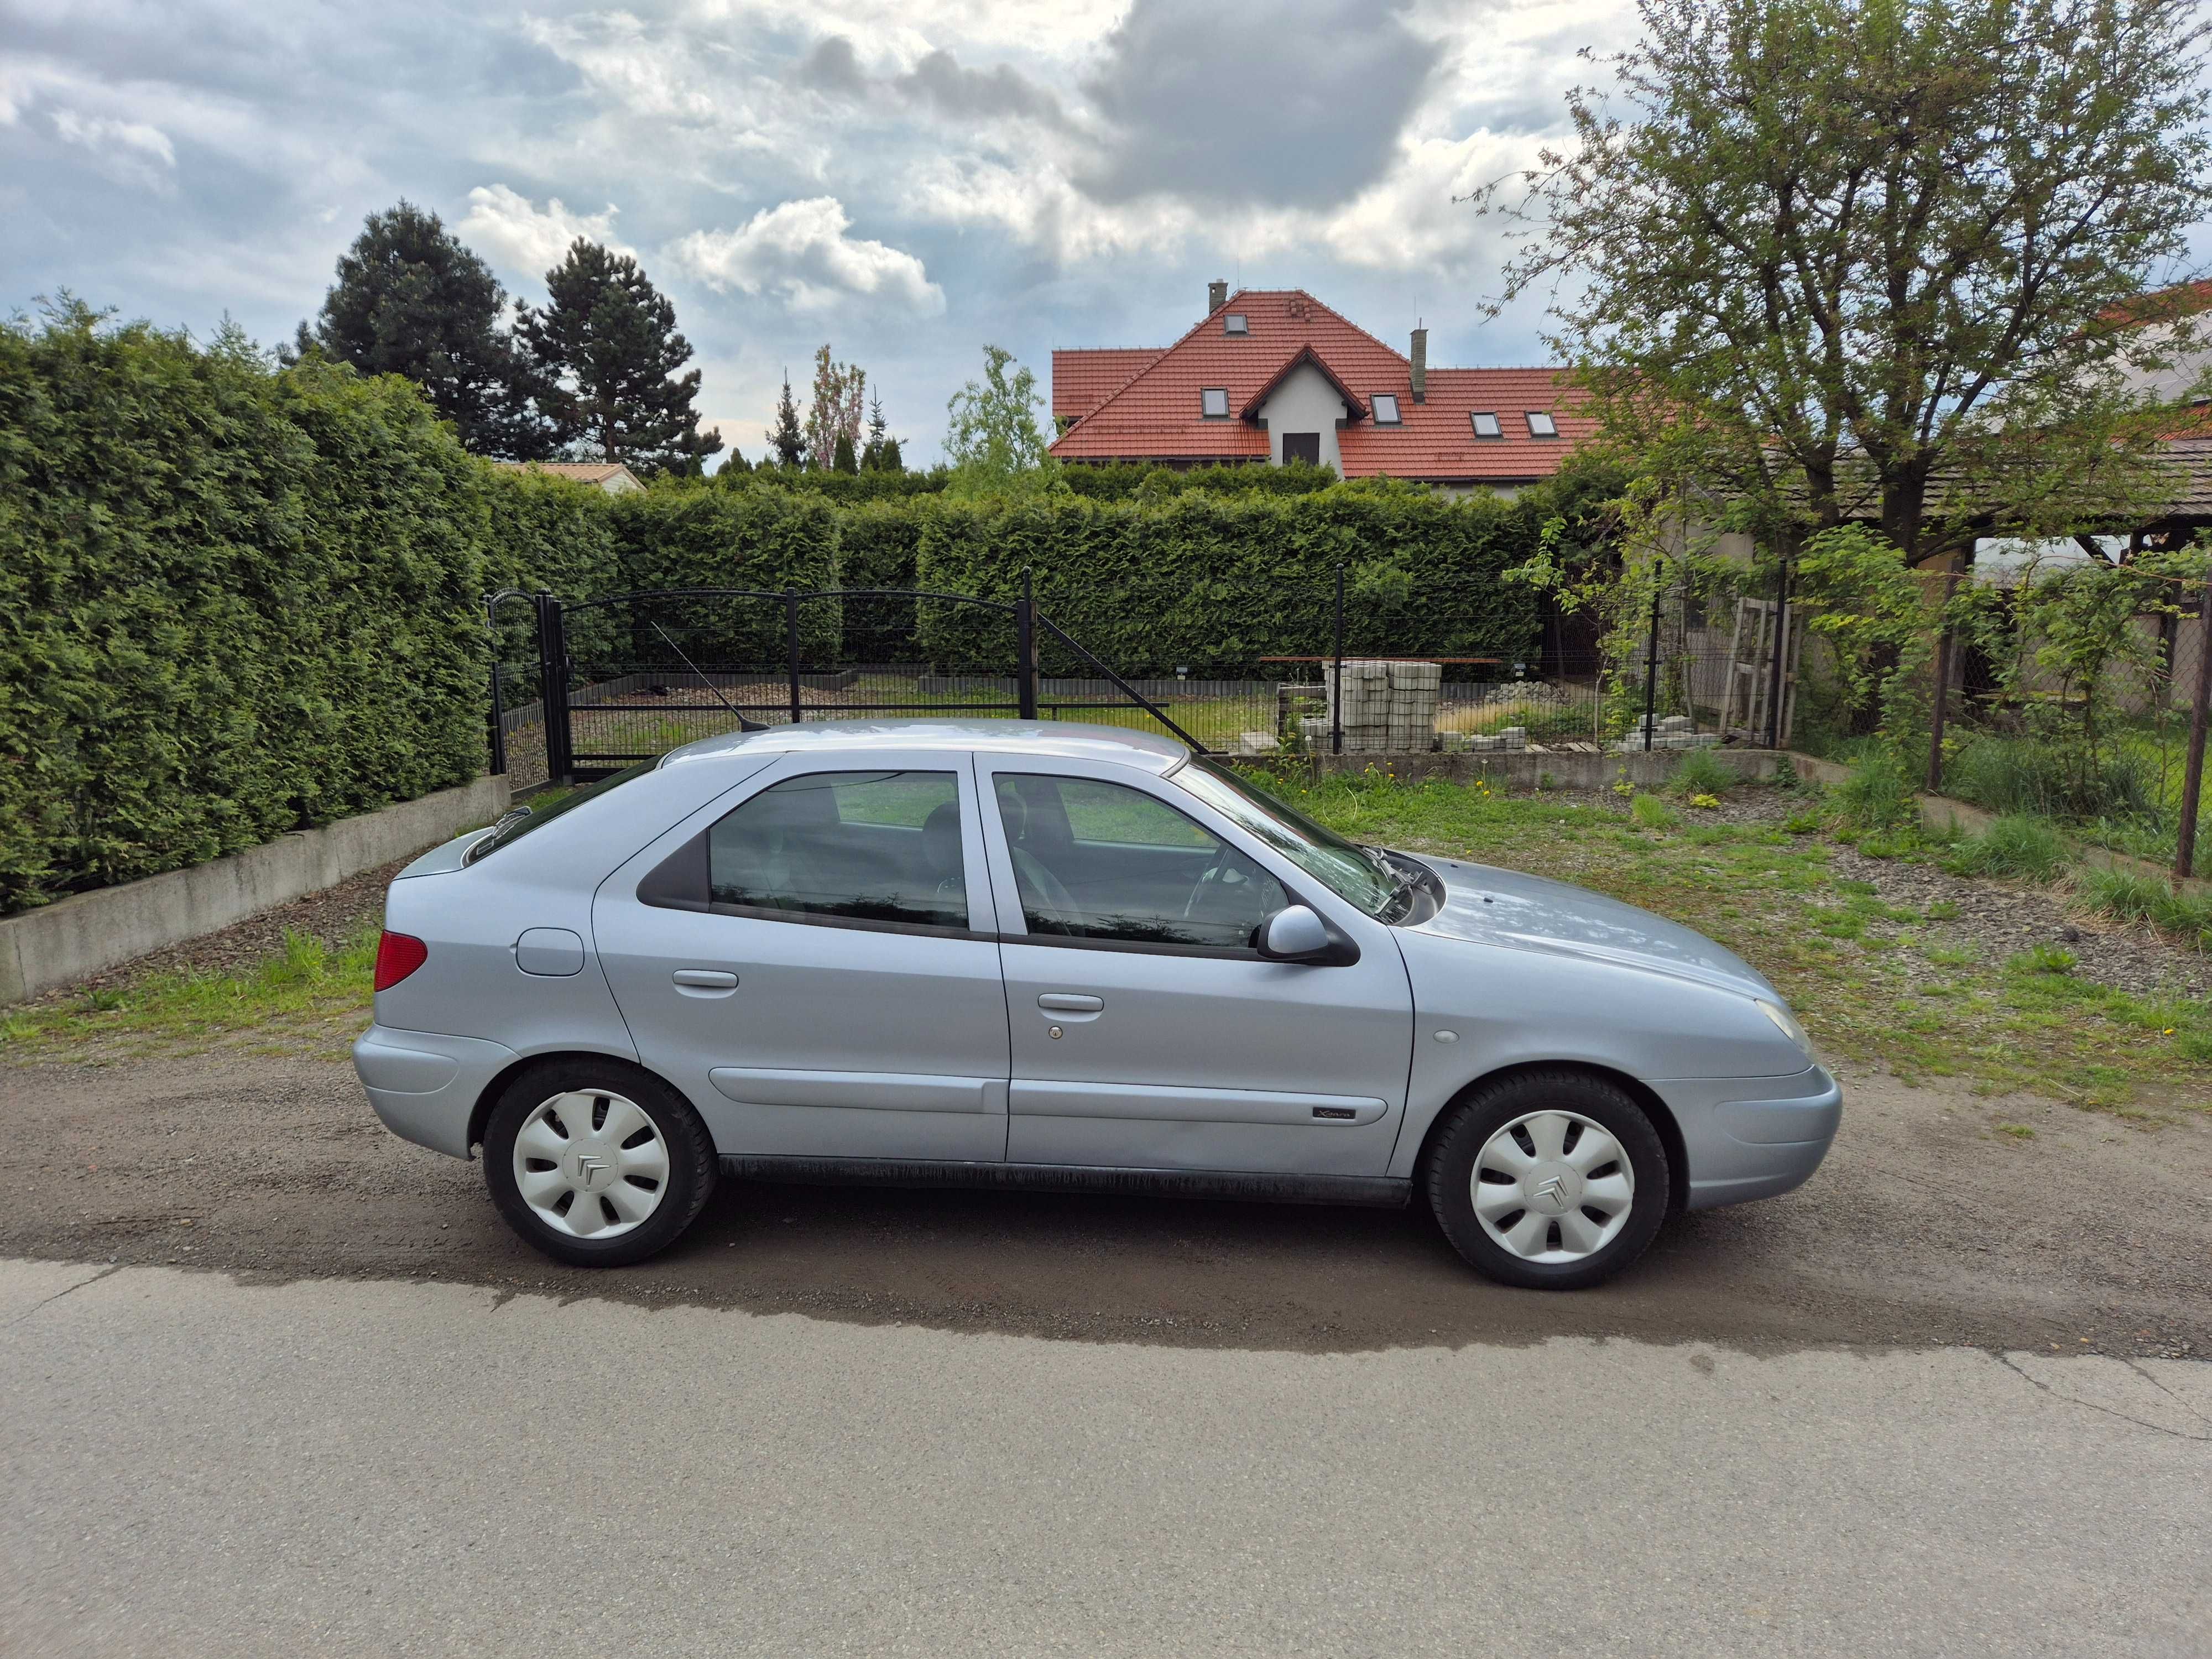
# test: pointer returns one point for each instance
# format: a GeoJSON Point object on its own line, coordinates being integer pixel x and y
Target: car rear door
{"type": "Point", "coordinates": [813, 961]}
{"type": "Point", "coordinates": [1147, 1031]}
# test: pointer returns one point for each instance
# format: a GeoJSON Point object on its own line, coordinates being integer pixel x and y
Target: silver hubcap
{"type": "Point", "coordinates": [1553, 1187]}
{"type": "Point", "coordinates": [591, 1163]}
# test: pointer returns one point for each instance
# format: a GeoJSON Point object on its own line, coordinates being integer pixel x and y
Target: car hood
{"type": "Point", "coordinates": [1490, 906]}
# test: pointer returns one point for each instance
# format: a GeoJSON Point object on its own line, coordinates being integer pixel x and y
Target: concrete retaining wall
{"type": "Point", "coordinates": [1520, 769]}
{"type": "Point", "coordinates": [88, 931]}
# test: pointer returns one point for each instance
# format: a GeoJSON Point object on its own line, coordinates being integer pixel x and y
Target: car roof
{"type": "Point", "coordinates": [1067, 740]}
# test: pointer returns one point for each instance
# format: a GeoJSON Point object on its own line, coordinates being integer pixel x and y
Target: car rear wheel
{"type": "Point", "coordinates": [595, 1162]}
{"type": "Point", "coordinates": [1549, 1180]}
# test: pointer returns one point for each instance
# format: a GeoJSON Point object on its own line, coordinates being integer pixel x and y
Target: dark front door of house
{"type": "Point", "coordinates": [1301, 446]}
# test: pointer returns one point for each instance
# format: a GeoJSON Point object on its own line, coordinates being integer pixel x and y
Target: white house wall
{"type": "Point", "coordinates": [1306, 401]}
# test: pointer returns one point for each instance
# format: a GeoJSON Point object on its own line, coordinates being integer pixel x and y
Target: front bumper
{"type": "Point", "coordinates": [1748, 1138]}
{"type": "Point", "coordinates": [425, 1086]}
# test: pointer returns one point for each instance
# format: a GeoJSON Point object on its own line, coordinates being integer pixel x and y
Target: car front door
{"type": "Point", "coordinates": [1147, 1030]}
{"type": "Point", "coordinates": [814, 962]}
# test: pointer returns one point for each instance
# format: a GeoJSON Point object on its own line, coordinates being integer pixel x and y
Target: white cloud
{"type": "Point", "coordinates": [800, 252]}
{"type": "Point", "coordinates": [130, 152]}
{"type": "Point", "coordinates": [513, 227]}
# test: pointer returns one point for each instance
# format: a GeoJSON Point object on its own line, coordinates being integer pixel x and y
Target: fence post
{"type": "Point", "coordinates": [790, 639]}
{"type": "Point", "coordinates": [1336, 698]}
{"type": "Point", "coordinates": [553, 689]}
{"type": "Point", "coordinates": [1781, 652]}
{"type": "Point", "coordinates": [2184, 839]}
{"type": "Point", "coordinates": [1025, 646]}
{"type": "Point", "coordinates": [1945, 645]}
{"type": "Point", "coordinates": [1651, 673]}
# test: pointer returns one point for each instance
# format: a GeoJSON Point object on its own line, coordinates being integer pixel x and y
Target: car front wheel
{"type": "Point", "coordinates": [1549, 1180]}
{"type": "Point", "coordinates": [595, 1162]}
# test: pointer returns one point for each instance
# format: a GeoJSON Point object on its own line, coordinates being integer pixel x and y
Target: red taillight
{"type": "Point", "coordinates": [399, 955]}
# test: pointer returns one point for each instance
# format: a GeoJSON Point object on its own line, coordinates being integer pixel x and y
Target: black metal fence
{"type": "Point", "coordinates": [634, 675]}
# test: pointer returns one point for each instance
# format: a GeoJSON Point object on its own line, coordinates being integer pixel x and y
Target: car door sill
{"type": "Point", "coordinates": [1260, 1186]}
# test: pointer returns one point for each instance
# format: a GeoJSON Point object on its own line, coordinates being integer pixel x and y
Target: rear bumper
{"type": "Point", "coordinates": [425, 1086]}
{"type": "Point", "coordinates": [1749, 1138]}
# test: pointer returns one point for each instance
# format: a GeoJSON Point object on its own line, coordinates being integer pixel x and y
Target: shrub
{"type": "Point", "coordinates": [2015, 845]}
{"type": "Point", "coordinates": [1701, 772]}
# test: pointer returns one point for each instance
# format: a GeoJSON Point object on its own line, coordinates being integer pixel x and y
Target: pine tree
{"type": "Point", "coordinates": [785, 437]}
{"type": "Point", "coordinates": [873, 452]}
{"type": "Point", "coordinates": [892, 462]}
{"type": "Point", "coordinates": [843, 460]}
{"type": "Point", "coordinates": [410, 300]}
{"type": "Point", "coordinates": [606, 343]}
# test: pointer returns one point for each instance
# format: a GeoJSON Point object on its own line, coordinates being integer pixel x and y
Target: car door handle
{"type": "Point", "coordinates": [1066, 1002]}
{"type": "Point", "coordinates": [704, 979]}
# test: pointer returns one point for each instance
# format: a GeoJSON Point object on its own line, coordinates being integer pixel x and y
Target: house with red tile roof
{"type": "Point", "coordinates": [1274, 375]}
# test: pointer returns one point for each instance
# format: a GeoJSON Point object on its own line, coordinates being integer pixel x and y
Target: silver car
{"type": "Point", "coordinates": [1000, 953]}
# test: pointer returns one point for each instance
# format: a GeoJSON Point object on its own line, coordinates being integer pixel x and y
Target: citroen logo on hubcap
{"type": "Point", "coordinates": [1551, 1193]}
{"type": "Point", "coordinates": [590, 1169]}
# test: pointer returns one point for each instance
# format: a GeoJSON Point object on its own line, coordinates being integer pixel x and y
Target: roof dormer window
{"type": "Point", "coordinates": [1214, 403]}
{"type": "Point", "coordinates": [1486, 424]}
{"type": "Point", "coordinates": [1541, 425]}
{"type": "Point", "coordinates": [1386, 409]}
{"type": "Point", "coordinates": [1235, 323]}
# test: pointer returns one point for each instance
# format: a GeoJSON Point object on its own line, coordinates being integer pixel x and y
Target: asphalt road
{"type": "Point", "coordinates": [199, 1466]}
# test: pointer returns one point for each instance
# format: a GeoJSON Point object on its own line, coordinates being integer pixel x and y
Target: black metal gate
{"type": "Point", "coordinates": [626, 678]}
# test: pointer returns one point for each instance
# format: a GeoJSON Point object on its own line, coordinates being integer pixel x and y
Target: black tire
{"type": "Point", "coordinates": [1491, 1107]}
{"type": "Point", "coordinates": [691, 1161]}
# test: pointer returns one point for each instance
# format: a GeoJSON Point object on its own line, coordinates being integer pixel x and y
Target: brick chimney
{"type": "Point", "coordinates": [1420, 365]}
{"type": "Point", "coordinates": [1216, 295]}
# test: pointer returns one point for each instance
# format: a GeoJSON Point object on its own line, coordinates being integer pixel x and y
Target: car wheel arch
{"type": "Point", "coordinates": [1662, 1118]}
{"type": "Point", "coordinates": [480, 1114]}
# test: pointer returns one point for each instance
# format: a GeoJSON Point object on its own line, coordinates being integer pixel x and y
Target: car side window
{"type": "Point", "coordinates": [882, 847]}
{"type": "Point", "coordinates": [1102, 860]}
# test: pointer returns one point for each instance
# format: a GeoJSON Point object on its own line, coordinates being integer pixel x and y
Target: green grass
{"type": "Point", "coordinates": [2132, 897]}
{"type": "Point", "coordinates": [2030, 848]}
{"type": "Point", "coordinates": [306, 996]}
{"type": "Point", "coordinates": [1653, 813]}
{"type": "Point", "coordinates": [1701, 773]}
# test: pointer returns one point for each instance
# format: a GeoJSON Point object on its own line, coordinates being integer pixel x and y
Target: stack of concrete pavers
{"type": "Point", "coordinates": [1668, 731]}
{"type": "Point", "coordinates": [1386, 706]}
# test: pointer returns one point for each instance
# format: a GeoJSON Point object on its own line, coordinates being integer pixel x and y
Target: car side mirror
{"type": "Point", "coordinates": [1296, 934]}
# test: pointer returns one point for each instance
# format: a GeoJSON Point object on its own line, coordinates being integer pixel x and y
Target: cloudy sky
{"type": "Point", "coordinates": [903, 182]}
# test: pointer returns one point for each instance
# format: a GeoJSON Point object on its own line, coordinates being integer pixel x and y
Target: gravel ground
{"type": "Point", "coordinates": [1926, 1224]}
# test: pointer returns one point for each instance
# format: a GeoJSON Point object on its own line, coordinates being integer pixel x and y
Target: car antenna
{"type": "Point", "coordinates": [744, 725]}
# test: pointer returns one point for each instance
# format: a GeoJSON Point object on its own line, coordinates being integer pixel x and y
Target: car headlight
{"type": "Point", "coordinates": [1786, 1023]}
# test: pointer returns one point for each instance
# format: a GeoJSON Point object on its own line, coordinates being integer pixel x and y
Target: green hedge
{"type": "Point", "coordinates": [1218, 581]}
{"type": "Point", "coordinates": [1120, 481]}
{"type": "Point", "coordinates": [691, 535]}
{"type": "Point", "coordinates": [233, 602]}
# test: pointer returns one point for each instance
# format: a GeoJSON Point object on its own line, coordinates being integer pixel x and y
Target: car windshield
{"type": "Point", "coordinates": [1352, 873]}
{"type": "Point", "coordinates": [520, 822]}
